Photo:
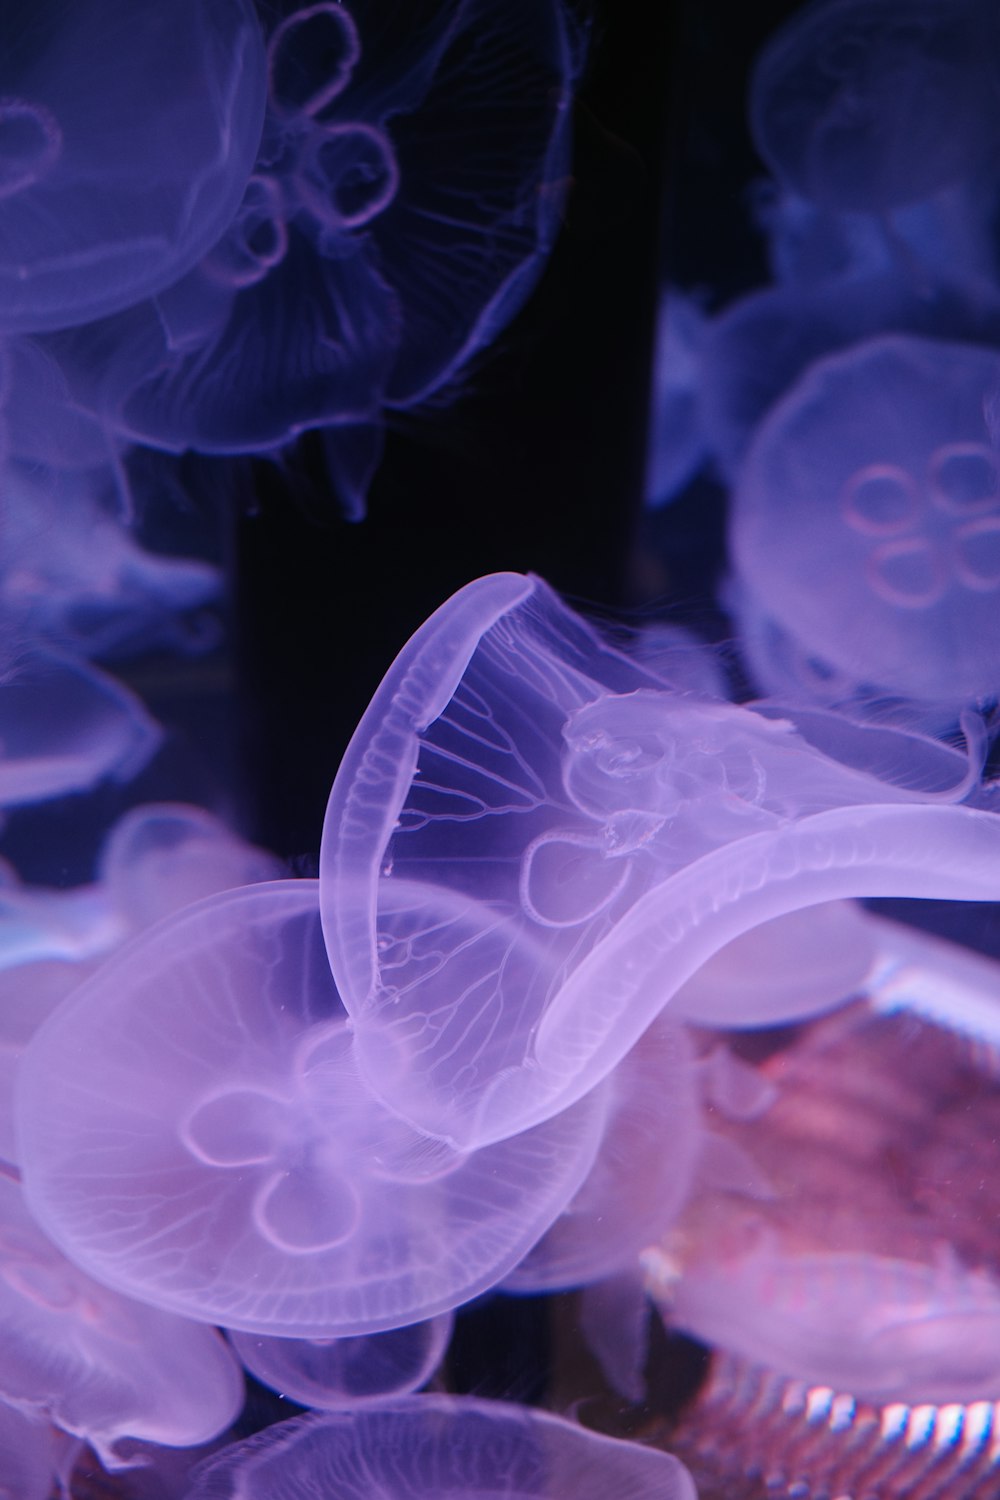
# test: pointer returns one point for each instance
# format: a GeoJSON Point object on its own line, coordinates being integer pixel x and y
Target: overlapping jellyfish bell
{"type": "Point", "coordinates": [157, 858]}
{"type": "Point", "coordinates": [340, 1374]}
{"type": "Point", "coordinates": [866, 521]}
{"type": "Point", "coordinates": [792, 966]}
{"type": "Point", "coordinates": [216, 1153]}
{"type": "Point", "coordinates": [100, 1365]}
{"type": "Point", "coordinates": [576, 842]}
{"type": "Point", "coordinates": [127, 134]}
{"type": "Point", "coordinates": [64, 726]}
{"type": "Point", "coordinates": [643, 1173]}
{"type": "Point", "coordinates": [760, 346]}
{"type": "Point", "coordinates": [421, 1447]}
{"type": "Point", "coordinates": [883, 1328]}
{"type": "Point", "coordinates": [870, 104]}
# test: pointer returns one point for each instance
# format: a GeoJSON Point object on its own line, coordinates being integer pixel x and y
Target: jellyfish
{"type": "Point", "coordinates": [95, 1363]}
{"type": "Point", "coordinates": [75, 577]}
{"type": "Point", "coordinates": [366, 264]}
{"type": "Point", "coordinates": [879, 462]}
{"type": "Point", "coordinates": [423, 1446]}
{"type": "Point", "coordinates": [64, 726]}
{"type": "Point", "coordinates": [880, 1327]}
{"type": "Point", "coordinates": [790, 968]}
{"type": "Point", "coordinates": [762, 345]}
{"type": "Point", "coordinates": [873, 105]}
{"type": "Point", "coordinates": [216, 1153]}
{"type": "Point", "coordinates": [341, 1374]}
{"type": "Point", "coordinates": [157, 858]}
{"type": "Point", "coordinates": [578, 840]}
{"type": "Point", "coordinates": [643, 1173]}
{"type": "Point", "coordinates": [127, 135]}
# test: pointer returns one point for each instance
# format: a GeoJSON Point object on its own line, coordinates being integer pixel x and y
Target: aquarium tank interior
{"type": "Point", "coordinates": [499, 782]}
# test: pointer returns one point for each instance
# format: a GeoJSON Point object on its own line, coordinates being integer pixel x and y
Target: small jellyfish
{"type": "Point", "coordinates": [73, 576]}
{"type": "Point", "coordinates": [162, 856]}
{"type": "Point", "coordinates": [576, 840]}
{"type": "Point", "coordinates": [64, 726]}
{"type": "Point", "coordinates": [127, 134]}
{"type": "Point", "coordinates": [867, 516]}
{"type": "Point", "coordinates": [217, 1154]}
{"type": "Point", "coordinates": [441, 1448]}
{"type": "Point", "coordinates": [97, 1364]}
{"type": "Point", "coordinates": [870, 104]}
{"type": "Point", "coordinates": [340, 1374]}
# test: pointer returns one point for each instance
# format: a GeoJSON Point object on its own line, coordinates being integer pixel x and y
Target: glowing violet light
{"type": "Point", "coordinates": [440, 1448]}
{"type": "Point", "coordinates": [576, 841]}
{"type": "Point", "coordinates": [216, 1153]}
{"type": "Point", "coordinates": [127, 134]}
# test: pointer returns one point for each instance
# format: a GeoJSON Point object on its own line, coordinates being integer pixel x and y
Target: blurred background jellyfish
{"type": "Point", "coordinates": [866, 521]}
{"type": "Point", "coordinates": [341, 1374]}
{"type": "Point", "coordinates": [869, 106]}
{"type": "Point", "coordinates": [438, 1446]}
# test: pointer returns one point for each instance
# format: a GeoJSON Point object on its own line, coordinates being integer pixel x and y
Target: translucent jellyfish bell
{"type": "Point", "coordinates": [866, 521]}
{"type": "Point", "coordinates": [575, 840]}
{"type": "Point", "coordinates": [98, 1364]}
{"type": "Point", "coordinates": [340, 1374]}
{"type": "Point", "coordinates": [127, 133]}
{"type": "Point", "coordinates": [65, 726]}
{"type": "Point", "coordinates": [216, 1154]}
{"type": "Point", "coordinates": [792, 967]}
{"type": "Point", "coordinates": [869, 104]}
{"type": "Point", "coordinates": [441, 1448]}
{"type": "Point", "coordinates": [73, 575]}
{"type": "Point", "coordinates": [643, 1172]}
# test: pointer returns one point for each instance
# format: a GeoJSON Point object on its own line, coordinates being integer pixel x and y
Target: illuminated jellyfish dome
{"type": "Point", "coordinates": [865, 105]}
{"type": "Point", "coordinates": [127, 134]}
{"type": "Point", "coordinates": [865, 524]}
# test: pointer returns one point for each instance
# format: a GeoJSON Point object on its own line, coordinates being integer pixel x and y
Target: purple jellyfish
{"type": "Point", "coordinates": [440, 1448]}
{"type": "Point", "coordinates": [576, 840]}
{"type": "Point", "coordinates": [217, 1154]}
{"type": "Point", "coordinates": [127, 134]}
